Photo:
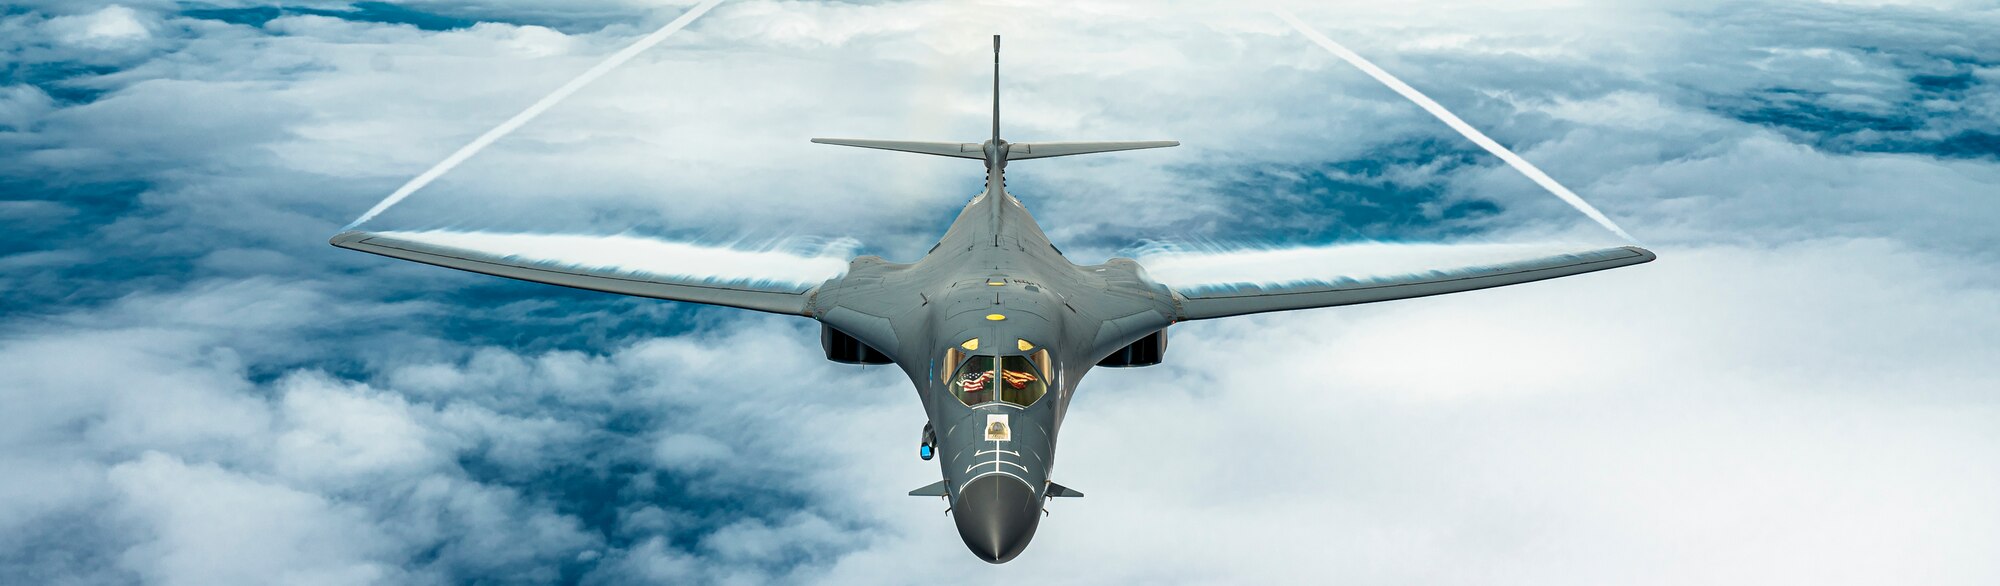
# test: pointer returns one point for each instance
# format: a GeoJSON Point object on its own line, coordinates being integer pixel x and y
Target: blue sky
{"type": "Point", "coordinates": [200, 391]}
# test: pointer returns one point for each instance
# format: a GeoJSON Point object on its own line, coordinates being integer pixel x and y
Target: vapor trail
{"type": "Point", "coordinates": [1452, 120]}
{"type": "Point", "coordinates": [512, 124]}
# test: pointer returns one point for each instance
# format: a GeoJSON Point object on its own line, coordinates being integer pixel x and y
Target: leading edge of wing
{"type": "Point", "coordinates": [771, 281]}
{"type": "Point", "coordinates": [1209, 301]}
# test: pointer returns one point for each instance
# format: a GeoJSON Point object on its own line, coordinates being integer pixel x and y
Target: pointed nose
{"type": "Point", "coordinates": [996, 516]}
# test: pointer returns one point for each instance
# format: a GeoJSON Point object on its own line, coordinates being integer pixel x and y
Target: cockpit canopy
{"type": "Point", "coordinates": [985, 377]}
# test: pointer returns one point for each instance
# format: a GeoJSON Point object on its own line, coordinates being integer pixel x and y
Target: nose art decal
{"type": "Point", "coordinates": [996, 428]}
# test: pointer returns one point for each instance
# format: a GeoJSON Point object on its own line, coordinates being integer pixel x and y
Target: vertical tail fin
{"type": "Point", "coordinates": [996, 89]}
{"type": "Point", "coordinates": [1012, 151]}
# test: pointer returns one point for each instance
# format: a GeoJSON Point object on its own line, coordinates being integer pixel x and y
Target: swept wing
{"type": "Point", "coordinates": [772, 281]}
{"type": "Point", "coordinates": [1223, 284]}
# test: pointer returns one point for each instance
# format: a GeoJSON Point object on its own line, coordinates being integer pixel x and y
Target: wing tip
{"type": "Point", "coordinates": [348, 239]}
{"type": "Point", "coordinates": [1645, 256]}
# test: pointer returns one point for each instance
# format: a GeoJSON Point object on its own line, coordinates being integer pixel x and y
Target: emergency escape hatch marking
{"type": "Point", "coordinates": [996, 428]}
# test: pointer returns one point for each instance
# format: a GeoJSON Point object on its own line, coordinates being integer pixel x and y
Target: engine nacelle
{"type": "Point", "coordinates": [1148, 351]}
{"type": "Point", "coordinates": [844, 349]}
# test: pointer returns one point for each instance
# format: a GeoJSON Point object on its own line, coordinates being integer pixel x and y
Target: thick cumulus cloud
{"type": "Point", "coordinates": [199, 391]}
{"type": "Point", "coordinates": [484, 464]}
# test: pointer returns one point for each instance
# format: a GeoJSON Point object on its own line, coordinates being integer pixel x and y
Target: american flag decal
{"type": "Point", "coordinates": [974, 382]}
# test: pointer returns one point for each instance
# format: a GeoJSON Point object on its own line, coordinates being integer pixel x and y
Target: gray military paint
{"type": "Point", "coordinates": [915, 312]}
{"type": "Point", "coordinates": [995, 261]}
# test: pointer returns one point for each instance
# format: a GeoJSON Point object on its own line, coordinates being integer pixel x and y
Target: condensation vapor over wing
{"type": "Point", "coordinates": [795, 266]}
{"type": "Point", "coordinates": [540, 106]}
{"type": "Point", "coordinates": [1452, 120]}
{"type": "Point", "coordinates": [1193, 270]}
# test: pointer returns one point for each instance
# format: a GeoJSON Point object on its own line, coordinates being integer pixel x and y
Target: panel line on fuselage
{"type": "Point", "coordinates": [969, 481]}
{"type": "Point", "coordinates": [996, 465]}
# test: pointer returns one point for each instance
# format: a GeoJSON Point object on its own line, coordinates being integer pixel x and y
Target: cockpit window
{"type": "Point", "coordinates": [1018, 380]}
{"type": "Point", "coordinates": [951, 358]}
{"type": "Point", "coordinates": [974, 382]}
{"type": "Point", "coordinates": [1022, 382]}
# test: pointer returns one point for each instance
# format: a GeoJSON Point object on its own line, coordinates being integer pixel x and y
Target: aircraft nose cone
{"type": "Point", "coordinates": [996, 516]}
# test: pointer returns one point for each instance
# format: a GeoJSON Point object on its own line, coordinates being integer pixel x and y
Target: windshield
{"type": "Point", "coordinates": [1021, 382]}
{"type": "Point", "coordinates": [1017, 381]}
{"type": "Point", "coordinates": [974, 382]}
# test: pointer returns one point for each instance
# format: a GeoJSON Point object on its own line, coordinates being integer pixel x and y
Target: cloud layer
{"type": "Point", "coordinates": [200, 391]}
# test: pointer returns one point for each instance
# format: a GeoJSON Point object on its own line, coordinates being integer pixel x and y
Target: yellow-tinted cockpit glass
{"type": "Point", "coordinates": [1016, 380]}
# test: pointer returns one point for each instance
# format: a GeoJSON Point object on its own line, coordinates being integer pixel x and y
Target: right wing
{"type": "Point", "coordinates": [1212, 285]}
{"type": "Point", "coordinates": [773, 281]}
{"type": "Point", "coordinates": [1042, 150]}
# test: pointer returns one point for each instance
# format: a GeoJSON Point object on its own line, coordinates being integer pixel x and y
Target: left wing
{"type": "Point", "coordinates": [773, 281]}
{"type": "Point", "coordinates": [1212, 285]}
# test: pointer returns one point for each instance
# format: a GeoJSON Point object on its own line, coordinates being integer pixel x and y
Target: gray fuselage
{"type": "Point", "coordinates": [995, 291]}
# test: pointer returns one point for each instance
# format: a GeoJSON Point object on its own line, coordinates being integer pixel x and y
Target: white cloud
{"type": "Point", "coordinates": [152, 394]}
{"type": "Point", "coordinates": [22, 105]}
{"type": "Point", "coordinates": [538, 41]}
{"type": "Point", "coordinates": [1620, 110]}
{"type": "Point", "coordinates": [687, 452]}
{"type": "Point", "coordinates": [164, 390]}
{"type": "Point", "coordinates": [113, 26]}
{"type": "Point", "coordinates": [210, 526]}
{"type": "Point", "coordinates": [342, 435]}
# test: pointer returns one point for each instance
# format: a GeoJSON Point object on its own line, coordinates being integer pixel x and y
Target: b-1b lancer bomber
{"type": "Point", "coordinates": [994, 326]}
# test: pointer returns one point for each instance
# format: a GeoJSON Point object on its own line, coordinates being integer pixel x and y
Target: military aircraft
{"type": "Point", "coordinates": [994, 325]}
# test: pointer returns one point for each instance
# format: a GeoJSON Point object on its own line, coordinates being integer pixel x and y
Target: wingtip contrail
{"type": "Point", "coordinates": [1513, 160]}
{"type": "Point", "coordinates": [540, 106]}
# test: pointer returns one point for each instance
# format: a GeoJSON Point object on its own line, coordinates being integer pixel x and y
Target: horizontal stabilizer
{"type": "Point", "coordinates": [1015, 151]}
{"type": "Point", "coordinates": [1057, 490]}
{"type": "Point", "coordinates": [932, 489]}
{"type": "Point", "coordinates": [964, 150]}
{"type": "Point", "coordinates": [1042, 150]}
